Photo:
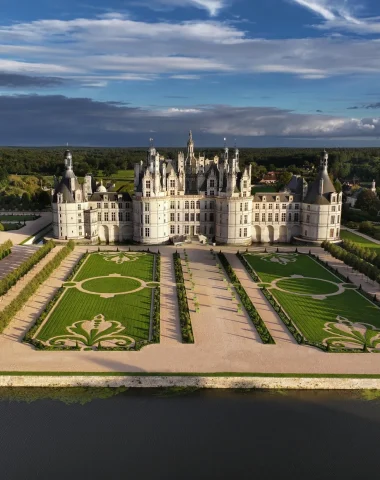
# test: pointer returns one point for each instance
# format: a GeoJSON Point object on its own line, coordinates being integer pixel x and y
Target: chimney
{"type": "Point", "coordinates": [320, 191]}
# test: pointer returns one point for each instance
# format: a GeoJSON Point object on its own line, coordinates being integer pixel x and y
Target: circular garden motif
{"type": "Point", "coordinates": [111, 285]}
{"type": "Point", "coordinates": [307, 286]}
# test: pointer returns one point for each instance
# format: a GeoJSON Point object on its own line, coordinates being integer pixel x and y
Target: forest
{"type": "Point", "coordinates": [344, 163]}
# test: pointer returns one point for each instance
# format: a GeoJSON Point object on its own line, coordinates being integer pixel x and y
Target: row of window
{"type": "Point", "coordinates": [264, 217]}
{"type": "Point", "coordinates": [120, 216]}
{"type": "Point", "coordinates": [185, 230]}
{"type": "Point", "coordinates": [112, 204]}
{"type": "Point", "coordinates": [277, 206]}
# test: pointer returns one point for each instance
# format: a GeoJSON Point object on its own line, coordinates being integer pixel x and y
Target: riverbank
{"type": "Point", "coordinates": [210, 381]}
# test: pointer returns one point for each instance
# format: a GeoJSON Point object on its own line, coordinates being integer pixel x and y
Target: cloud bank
{"type": "Point", "coordinates": [56, 119]}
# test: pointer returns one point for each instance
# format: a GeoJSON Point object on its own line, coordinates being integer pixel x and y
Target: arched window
{"type": "Point", "coordinates": [186, 204]}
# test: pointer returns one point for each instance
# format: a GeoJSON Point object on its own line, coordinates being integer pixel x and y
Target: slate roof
{"type": "Point", "coordinates": [313, 196]}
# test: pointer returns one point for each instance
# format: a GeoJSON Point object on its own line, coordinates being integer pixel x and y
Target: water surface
{"type": "Point", "coordinates": [199, 435]}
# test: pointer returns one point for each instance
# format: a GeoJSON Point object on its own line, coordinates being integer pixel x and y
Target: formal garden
{"type": "Point", "coordinates": [318, 306]}
{"type": "Point", "coordinates": [110, 301]}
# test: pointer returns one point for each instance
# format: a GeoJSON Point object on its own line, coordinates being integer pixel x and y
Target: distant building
{"type": "Point", "coordinates": [196, 197]}
{"type": "Point", "coordinates": [269, 179]}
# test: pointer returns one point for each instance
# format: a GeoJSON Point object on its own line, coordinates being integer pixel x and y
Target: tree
{"type": "Point", "coordinates": [338, 185]}
{"type": "Point", "coordinates": [367, 201]}
{"type": "Point", "coordinates": [283, 179]}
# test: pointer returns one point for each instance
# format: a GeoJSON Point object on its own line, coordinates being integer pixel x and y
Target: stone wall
{"type": "Point", "coordinates": [190, 381]}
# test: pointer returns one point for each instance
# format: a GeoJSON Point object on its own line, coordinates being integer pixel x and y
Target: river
{"type": "Point", "coordinates": [104, 434]}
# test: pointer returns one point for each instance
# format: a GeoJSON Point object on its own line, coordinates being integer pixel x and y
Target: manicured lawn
{"type": "Point", "coordinates": [312, 315]}
{"type": "Point", "coordinates": [107, 320]}
{"type": "Point", "coordinates": [111, 285]}
{"type": "Point", "coordinates": [345, 235]}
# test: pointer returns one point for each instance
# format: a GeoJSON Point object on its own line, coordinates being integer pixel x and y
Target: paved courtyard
{"type": "Point", "coordinates": [225, 340]}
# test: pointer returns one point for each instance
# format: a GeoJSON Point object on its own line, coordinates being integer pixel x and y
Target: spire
{"type": "Point", "coordinates": [324, 160]}
{"type": "Point", "coordinates": [190, 145]}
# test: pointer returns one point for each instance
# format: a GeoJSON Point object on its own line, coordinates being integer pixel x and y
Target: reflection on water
{"type": "Point", "coordinates": [177, 434]}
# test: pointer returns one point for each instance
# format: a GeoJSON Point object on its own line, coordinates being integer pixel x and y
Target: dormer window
{"type": "Point", "coordinates": [277, 199]}
{"type": "Point", "coordinates": [290, 198]}
{"type": "Point", "coordinates": [264, 199]}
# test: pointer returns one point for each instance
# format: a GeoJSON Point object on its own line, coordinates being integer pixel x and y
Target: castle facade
{"type": "Point", "coordinates": [195, 197]}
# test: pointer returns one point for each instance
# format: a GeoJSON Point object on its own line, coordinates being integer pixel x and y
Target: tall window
{"type": "Point", "coordinates": [270, 217]}
{"type": "Point", "coordinates": [192, 204]}
{"type": "Point", "coordinates": [198, 204]}
{"type": "Point", "coordinates": [283, 217]}
{"type": "Point", "coordinates": [331, 232]}
{"type": "Point", "coordinates": [270, 206]}
{"type": "Point", "coordinates": [120, 216]}
{"type": "Point", "coordinates": [172, 229]}
{"type": "Point", "coordinates": [127, 216]}
{"type": "Point", "coordinates": [146, 207]}
{"type": "Point", "coordinates": [147, 232]}
{"type": "Point", "coordinates": [283, 206]}
{"type": "Point", "coordinates": [79, 207]}
{"type": "Point", "coordinates": [113, 205]}
{"type": "Point", "coordinates": [172, 217]}
{"type": "Point", "coordinates": [296, 217]}
{"type": "Point", "coordinates": [172, 183]}
{"type": "Point", "coordinates": [146, 218]}
{"type": "Point", "coordinates": [106, 205]}
{"type": "Point", "coordinates": [239, 232]}
{"type": "Point", "coordinates": [245, 232]}
{"type": "Point", "coordinates": [178, 229]}
{"type": "Point", "coordinates": [120, 205]}
{"type": "Point", "coordinates": [246, 206]}
{"type": "Point", "coordinates": [106, 216]}
{"type": "Point", "coordinates": [307, 218]}
{"type": "Point", "coordinates": [178, 217]}
{"type": "Point", "coordinates": [186, 217]}
{"type": "Point", "coordinates": [172, 205]}
{"type": "Point", "coordinates": [147, 184]}
{"type": "Point", "coordinates": [245, 184]}
{"type": "Point", "coordinates": [205, 217]}
{"type": "Point", "coordinates": [198, 217]}
{"type": "Point", "coordinates": [187, 205]}
{"type": "Point", "coordinates": [212, 183]}
{"type": "Point", "coordinates": [113, 216]}
{"type": "Point", "coordinates": [187, 229]}
{"type": "Point", "coordinates": [127, 205]}
{"type": "Point", "coordinates": [241, 207]}
{"type": "Point", "coordinates": [99, 217]}
{"type": "Point", "coordinates": [257, 219]}
{"type": "Point", "coordinates": [289, 217]}
{"type": "Point", "coordinates": [98, 205]}
{"type": "Point", "coordinates": [211, 217]}
{"type": "Point", "coordinates": [263, 217]}
{"type": "Point", "coordinates": [333, 219]}
{"type": "Point", "coordinates": [257, 206]}
{"type": "Point", "coordinates": [296, 206]}
{"type": "Point", "coordinates": [192, 217]}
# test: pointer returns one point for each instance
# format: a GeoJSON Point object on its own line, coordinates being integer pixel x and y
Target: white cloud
{"type": "Point", "coordinates": [118, 48]}
{"type": "Point", "coordinates": [213, 7]}
{"type": "Point", "coordinates": [92, 121]}
{"type": "Point", "coordinates": [341, 15]}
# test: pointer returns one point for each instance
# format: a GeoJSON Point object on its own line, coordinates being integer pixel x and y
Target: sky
{"type": "Point", "coordinates": [259, 73]}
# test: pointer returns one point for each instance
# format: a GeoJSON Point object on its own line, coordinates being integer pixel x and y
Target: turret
{"type": "Point", "coordinates": [324, 160]}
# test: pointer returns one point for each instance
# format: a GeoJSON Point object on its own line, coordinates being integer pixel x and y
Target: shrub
{"type": "Point", "coordinates": [14, 306]}
{"type": "Point", "coordinates": [257, 321]}
{"type": "Point", "coordinates": [11, 279]}
{"type": "Point", "coordinates": [5, 249]}
{"type": "Point", "coordinates": [184, 312]}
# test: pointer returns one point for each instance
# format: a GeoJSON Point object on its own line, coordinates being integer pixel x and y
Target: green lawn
{"type": "Point", "coordinates": [124, 315]}
{"type": "Point", "coordinates": [310, 314]}
{"type": "Point", "coordinates": [345, 235]}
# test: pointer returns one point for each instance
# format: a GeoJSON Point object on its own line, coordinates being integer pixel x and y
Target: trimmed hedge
{"type": "Point", "coordinates": [5, 249]}
{"type": "Point", "coordinates": [257, 321]}
{"type": "Point", "coordinates": [284, 317]}
{"type": "Point", "coordinates": [184, 312]}
{"type": "Point", "coordinates": [11, 279]}
{"type": "Point", "coordinates": [10, 310]}
{"type": "Point", "coordinates": [367, 254]}
{"type": "Point", "coordinates": [157, 300]}
{"type": "Point", "coordinates": [248, 267]}
{"type": "Point", "coordinates": [353, 260]}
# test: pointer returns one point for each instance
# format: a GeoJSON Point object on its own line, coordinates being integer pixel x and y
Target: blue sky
{"type": "Point", "coordinates": [279, 72]}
